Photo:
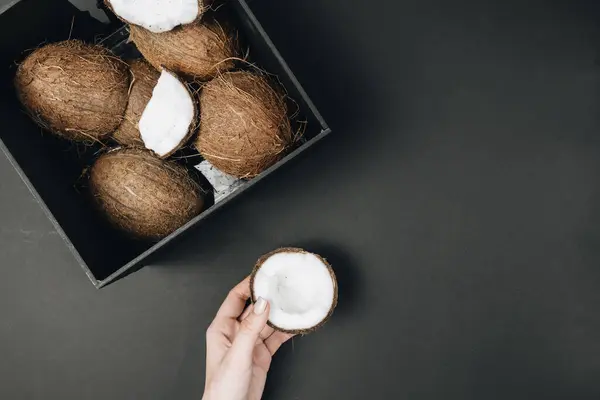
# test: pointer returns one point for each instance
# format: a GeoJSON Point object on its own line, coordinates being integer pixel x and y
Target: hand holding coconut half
{"type": "Point", "coordinates": [300, 286]}
{"type": "Point", "coordinates": [241, 341]}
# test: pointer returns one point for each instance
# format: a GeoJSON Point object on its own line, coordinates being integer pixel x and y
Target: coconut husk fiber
{"type": "Point", "coordinates": [143, 80]}
{"type": "Point", "coordinates": [197, 51]}
{"type": "Point", "coordinates": [76, 90]}
{"type": "Point", "coordinates": [244, 126]}
{"type": "Point", "coordinates": [265, 257]}
{"type": "Point", "coordinates": [143, 195]}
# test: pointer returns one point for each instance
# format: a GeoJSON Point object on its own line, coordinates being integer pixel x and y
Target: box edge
{"type": "Point", "coordinates": [283, 63]}
{"type": "Point", "coordinates": [48, 213]}
{"type": "Point", "coordinates": [207, 213]}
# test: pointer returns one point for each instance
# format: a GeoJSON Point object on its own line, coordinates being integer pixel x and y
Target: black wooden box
{"type": "Point", "coordinates": [52, 168]}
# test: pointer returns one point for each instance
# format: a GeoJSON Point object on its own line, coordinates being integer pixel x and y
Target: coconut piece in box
{"type": "Point", "coordinates": [198, 51]}
{"type": "Point", "coordinates": [76, 90]}
{"type": "Point", "coordinates": [143, 195]}
{"type": "Point", "coordinates": [245, 127]}
{"type": "Point", "coordinates": [143, 80]}
{"type": "Point", "coordinates": [169, 119]}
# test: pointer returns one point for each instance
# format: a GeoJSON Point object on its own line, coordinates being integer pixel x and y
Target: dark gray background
{"type": "Point", "coordinates": [458, 200]}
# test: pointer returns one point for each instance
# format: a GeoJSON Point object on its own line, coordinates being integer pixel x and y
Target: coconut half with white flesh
{"type": "Point", "coordinates": [169, 118]}
{"type": "Point", "coordinates": [301, 288]}
{"type": "Point", "coordinates": [158, 15]}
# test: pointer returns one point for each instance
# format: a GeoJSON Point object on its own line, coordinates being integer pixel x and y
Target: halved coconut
{"type": "Point", "coordinates": [300, 286]}
{"type": "Point", "coordinates": [158, 15]}
{"type": "Point", "coordinates": [168, 120]}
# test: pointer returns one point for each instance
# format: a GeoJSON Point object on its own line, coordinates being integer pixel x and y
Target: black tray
{"type": "Point", "coordinates": [52, 168]}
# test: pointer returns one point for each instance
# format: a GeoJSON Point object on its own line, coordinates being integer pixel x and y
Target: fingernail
{"type": "Point", "coordinates": [260, 306]}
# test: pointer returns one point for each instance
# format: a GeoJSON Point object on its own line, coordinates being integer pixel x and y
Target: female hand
{"type": "Point", "coordinates": [239, 347]}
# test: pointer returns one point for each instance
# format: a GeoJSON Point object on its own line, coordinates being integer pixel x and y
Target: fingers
{"type": "Point", "coordinates": [275, 341]}
{"type": "Point", "coordinates": [266, 332]}
{"type": "Point", "coordinates": [235, 302]}
{"type": "Point", "coordinates": [251, 328]}
{"type": "Point", "coordinates": [246, 312]}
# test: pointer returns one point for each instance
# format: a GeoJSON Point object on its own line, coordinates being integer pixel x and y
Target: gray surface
{"type": "Point", "coordinates": [458, 200]}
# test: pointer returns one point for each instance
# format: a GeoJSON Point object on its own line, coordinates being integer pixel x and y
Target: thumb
{"type": "Point", "coordinates": [251, 327]}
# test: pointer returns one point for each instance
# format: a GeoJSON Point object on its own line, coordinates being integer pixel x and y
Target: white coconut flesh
{"type": "Point", "coordinates": [299, 288]}
{"type": "Point", "coordinates": [167, 118]}
{"type": "Point", "coordinates": [157, 15]}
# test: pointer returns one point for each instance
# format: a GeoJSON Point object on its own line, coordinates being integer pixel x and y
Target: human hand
{"type": "Point", "coordinates": [239, 347]}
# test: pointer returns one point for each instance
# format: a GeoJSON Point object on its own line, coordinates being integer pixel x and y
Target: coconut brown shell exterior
{"type": "Point", "coordinates": [143, 79]}
{"type": "Point", "coordinates": [144, 195]}
{"type": "Point", "coordinates": [76, 90]}
{"type": "Point", "coordinates": [265, 257]}
{"type": "Point", "coordinates": [244, 126]}
{"type": "Point", "coordinates": [203, 6]}
{"type": "Point", "coordinates": [198, 51]}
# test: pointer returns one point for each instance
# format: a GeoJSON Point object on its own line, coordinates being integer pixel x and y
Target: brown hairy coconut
{"type": "Point", "coordinates": [143, 195]}
{"type": "Point", "coordinates": [197, 51]}
{"type": "Point", "coordinates": [158, 15]}
{"type": "Point", "coordinates": [301, 288]}
{"type": "Point", "coordinates": [244, 128]}
{"type": "Point", "coordinates": [143, 80]}
{"type": "Point", "coordinates": [76, 90]}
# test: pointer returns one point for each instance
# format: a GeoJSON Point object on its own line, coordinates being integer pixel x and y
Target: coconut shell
{"type": "Point", "coordinates": [244, 127]}
{"type": "Point", "coordinates": [197, 51]}
{"type": "Point", "coordinates": [265, 257]}
{"type": "Point", "coordinates": [143, 80]}
{"type": "Point", "coordinates": [76, 90]}
{"type": "Point", "coordinates": [143, 195]}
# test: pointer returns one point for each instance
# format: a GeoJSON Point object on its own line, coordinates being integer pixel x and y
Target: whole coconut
{"type": "Point", "coordinates": [76, 90]}
{"type": "Point", "coordinates": [244, 127]}
{"type": "Point", "coordinates": [198, 51]}
{"type": "Point", "coordinates": [143, 195]}
{"type": "Point", "coordinates": [143, 79]}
